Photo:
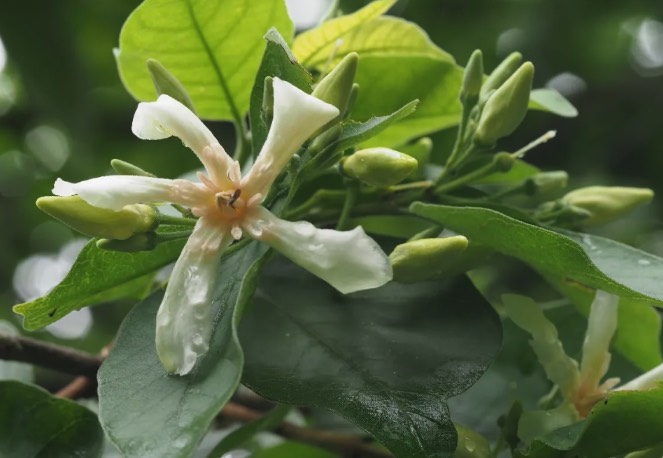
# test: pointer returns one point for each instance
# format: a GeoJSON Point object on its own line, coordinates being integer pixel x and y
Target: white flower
{"type": "Point", "coordinates": [229, 206]}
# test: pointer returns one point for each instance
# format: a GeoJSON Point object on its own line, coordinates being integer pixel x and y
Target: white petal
{"type": "Point", "coordinates": [349, 261]}
{"type": "Point", "coordinates": [184, 320]}
{"type": "Point", "coordinates": [297, 115]}
{"type": "Point", "coordinates": [601, 326]}
{"type": "Point", "coordinates": [116, 191]}
{"type": "Point", "coordinates": [167, 117]}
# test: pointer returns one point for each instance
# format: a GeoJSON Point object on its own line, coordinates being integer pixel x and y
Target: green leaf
{"type": "Point", "coordinates": [144, 410]}
{"type": "Point", "coordinates": [293, 450]}
{"type": "Point", "coordinates": [35, 424]}
{"type": "Point", "coordinates": [386, 359]}
{"type": "Point", "coordinates": [388, 82]}
{"type": "Point", "coordinates": [378, 37]}
{"type": "Point", "coordinates": [612, 267]}
{"type": "Point", "coordinates": [553, 102]}
{"type": "Point", "coordinates": [99, 276]}
{"type": "Point", "coordinates": [213, 47]}
{"type": "Point", "coordinates": [520, 171]}
{"type": "Point", "coordinates": [235, 439]}
{"type": "Point", "coordinates": [398, 226]}
{"type": "Point", "coordinates": [625, 421]}
{"type": "Point", "coordinates": [279, 61]}
{"type": "Point", "coordinates": [317, 45]}
{"type": "Point", "coordinates": [577, 261]}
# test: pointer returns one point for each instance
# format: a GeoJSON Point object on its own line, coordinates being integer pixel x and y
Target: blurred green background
{"type": "Point", "coordinates": [64, 112]}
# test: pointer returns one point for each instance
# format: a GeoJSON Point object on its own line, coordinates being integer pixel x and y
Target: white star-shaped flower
{"type": "Point", "coordinates": [229, 206]}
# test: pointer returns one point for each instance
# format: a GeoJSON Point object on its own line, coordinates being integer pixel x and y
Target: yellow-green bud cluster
{"type": "Point", "coordinates": [100, 222]}
{"type": "Point", "coordinates": [472, 79]}
{"type": "Point", "coordinates": [603, 204]}
{"type": "Point", "coordinates": [380, 167]}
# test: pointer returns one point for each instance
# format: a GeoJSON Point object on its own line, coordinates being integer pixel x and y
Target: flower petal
{"type": "Point", "coordinates": [184, 320]}
{"type": "Point", "coordinates": [297, 115]}
{"type": "Point", "coordinates": [349, 261]}
{"type": "Point", "coordinates": [601, 326]}
{"type": "Point", "coordinates": [167, 117]}
{"type": "Point", "coordinates": [116, 191]}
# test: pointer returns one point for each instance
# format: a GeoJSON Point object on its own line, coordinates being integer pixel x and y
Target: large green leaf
{"type": "Point", "coordinates": [314, 47]}
{"type": "Point", "coordinates": [276, 61]}
{"type": "Point", "coordinates": [624, 422]}
{"type": "Point", "coordinates": [99, 276]}
{"type": "Point", "coordinates": [576, 261]}
{"type": "Point", "coordinates": [388, 82]}
{"type": "Point", "coordinates": [213, 47]}
{"type": "Point", "coordinates": [146, 412]}
{"type": "Point", "coordinates": [35, 424]}
{"type": "Point", "coordinates": [386, 359]}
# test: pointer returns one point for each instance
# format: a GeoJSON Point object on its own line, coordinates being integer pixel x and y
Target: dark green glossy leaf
{"type": "Point", "coordinates": [34, 423]}
{"type": "Point", "coordinates": [147, 412]}
{"type": "Point", "coordinates": [99, 276]}
{"type": "Point", "coordinates": [578, 261]}
{"type": "Point", "coordinates": [624, 422]}
{"type": "Point", "coordinates": [213, 47]}
{"type": "Point", "coordinates": [386, 359]}
{"type": "Point", "coordinates": [279, 61]}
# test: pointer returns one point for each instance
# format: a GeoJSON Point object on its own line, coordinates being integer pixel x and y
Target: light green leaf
{"type": "Point", "coordinates": [624, 422]}
{"type": "Point", "coordinates": [35, 424]}
{"type": "Point", "coordinates": [213, 47]}
{"type": "Point", "coordinates": [577, 261]}
{"type": "Point", "coordinates": [386, 83]}
{"type": "Point", "coordinates": [99, 276]}
{"type": "Point", "coordinates": [387, 359]}
{"type": "Point", "coordinates": [147, 412]}
{"type": "Point", "coordinates": [553, 102]}
{"type": "Point", "coordinates": [317, 45]}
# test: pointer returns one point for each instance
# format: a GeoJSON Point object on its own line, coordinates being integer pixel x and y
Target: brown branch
{"type": "Point", "coordinates": [48, 355]}
{"type": "Point", "coordinates": [343, 443]}
{"type": "Point", "coordinates": [76, 388]}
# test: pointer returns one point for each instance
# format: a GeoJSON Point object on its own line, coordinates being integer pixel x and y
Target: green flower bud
{"type": "Point", "coordinates": [100, 222]}
{"type": "Point", "coordinates": [424, 259]}
{"type": "Point", "coordinates": [501, 73]}
{"type": "Point", "coordinates": [380, 167]}
{"type": "Point", "coordinates": [506, 108]}
{"type": "Point", "coordinates": [336, 87]}
{"type": "Point", "coordinates": [267, 110]}
{"type": "Point", "coordinates": [606, 203]}
{"type": "Point", "coordinates": [145, 241]}
{"type": "Point", "coordinates": [354, 93]}
{"type": "Point", "coordinates": [125, 168]}
{"type": "Point", "coordinates": [504, 161]}
{"type": "Point", "coordinates": [166, 83]}
{"type": "Point", "coordinates": [420, 150]}
{"type": "Point", "coordinates": [472, 79]}
{"type": "Point", "coordinates": [471, 444]}
{"type": "Point", "coordinates": [546, 184]}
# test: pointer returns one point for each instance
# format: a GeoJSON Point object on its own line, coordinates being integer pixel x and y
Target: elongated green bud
{"type": "Point", "coordinates": [501, 73]}
{"type": "Point", "coordinates": [472, 79]}
{"type": "Point", "coordinates": [100, 222]}
{"type": "Point", "coordinates": [420, 150]}
{"type": "Point", "coordinates": [425, 259]}
{"type": "Point", "coordinates": [380, 167]}
{"type": "Point", "coordinates": [166, 83]}
{"type": "Point", "coordinates": [325, 139]}
{"type": "Point", "coordinates": [354, 93]}
{"type": "Point", "coordinates": [471, 444]}
{"type": "Point", "coordinates": [336, 87]}
{"type": "Point", "coordinates": [547, 184]}
{"type": "Point", "coordinates": [145, 241]}
{"type": "Point", "coordinates": [126, 168]}
{"type": "Point", "coordinates": [268, 100]}
{"type": "Point", "coordinates": [607, 203]}
{"type": "Point", "coordinates": [506, 108]}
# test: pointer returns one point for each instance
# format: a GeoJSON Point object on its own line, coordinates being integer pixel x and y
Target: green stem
{"type": "Point", "coordinates": [168, 236]}
{"type": "Point", "coordinates": [350, 199]}
{"type": "Point", "coordinates": [431, 232]}
{"type": "Point", "coordinates": [176, 220]}
{"type": "Point", "coordinates": [425, 184]}
{"type": "Point", "coordinates": [468, 178]}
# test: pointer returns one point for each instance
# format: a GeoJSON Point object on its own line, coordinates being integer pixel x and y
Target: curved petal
{"type": "Point", "coordinates": [297, 115]}
{"type": "Point", "coordinates": [116, 191]}
{"type": "Point", "coordinates": [349, 261]}
{"type": "Point", "coordinates": [184, 319]}
{"type": "Point", "coordinates": [601, 326]}
{"type": "Point", "coordinates": [167, 117]}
